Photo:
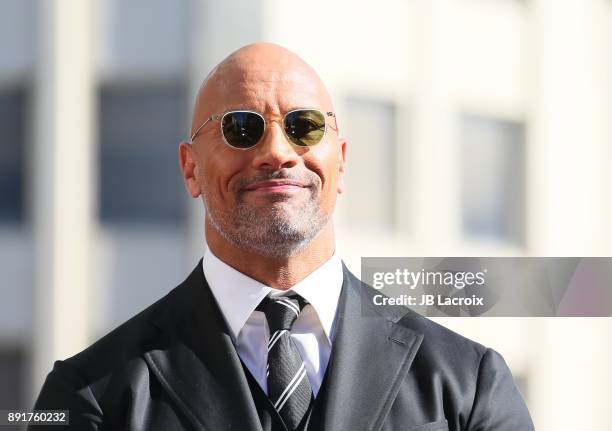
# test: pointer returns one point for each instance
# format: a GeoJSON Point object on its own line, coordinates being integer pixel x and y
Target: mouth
{"type": "Point", "coordinates": [276, 186]}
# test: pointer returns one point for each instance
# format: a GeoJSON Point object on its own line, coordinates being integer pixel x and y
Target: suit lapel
{"type": "Point", "coordinates": [370, 356]}
{"type": "Point", "coordinates": [197, 363]}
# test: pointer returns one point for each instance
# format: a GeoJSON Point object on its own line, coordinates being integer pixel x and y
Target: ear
{"type": "Point", "coordinates": [342, 144]}
{"type": "Point", "coordinates": [188, 164]}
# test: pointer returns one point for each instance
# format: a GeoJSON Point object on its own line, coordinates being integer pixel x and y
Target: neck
{"type": "Point", "coordinates": [278, 273]}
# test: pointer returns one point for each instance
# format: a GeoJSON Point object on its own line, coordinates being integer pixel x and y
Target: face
{"type": "Point", "coordinates": [274, 198]}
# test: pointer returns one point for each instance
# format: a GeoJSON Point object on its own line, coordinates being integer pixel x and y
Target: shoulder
{"type": "Point", "coordinates": [439, 344]}
{"type": "Point", "coordinates": [129, 340]}
{"type": "Point", "coordinates": [122, 349]}
{"type": "Point", "coordinates": [472, 382]}
{"type": "Point", "coordinates": [404, 316]}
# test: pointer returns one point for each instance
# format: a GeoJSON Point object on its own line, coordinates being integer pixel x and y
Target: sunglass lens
{"type": "Point", "coordinates": [305, 127]}
{"type": "Point", "coordinates": [242, 129]}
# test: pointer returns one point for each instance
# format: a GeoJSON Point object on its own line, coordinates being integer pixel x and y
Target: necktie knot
{"type": "Point", "coordinates": [282, 311]}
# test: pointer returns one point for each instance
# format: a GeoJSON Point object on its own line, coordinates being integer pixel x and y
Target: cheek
{"type": "Point", "coordinates": [218, 169]}
{"type": "Point", "coordinates": [325, 165]}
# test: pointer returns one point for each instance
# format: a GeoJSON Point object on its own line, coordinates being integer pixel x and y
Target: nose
{"type": "Point", "coordinates": [275, 151]}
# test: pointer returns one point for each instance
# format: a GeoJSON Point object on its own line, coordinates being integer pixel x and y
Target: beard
{"type": "Point", "coordinates": [281, 228]}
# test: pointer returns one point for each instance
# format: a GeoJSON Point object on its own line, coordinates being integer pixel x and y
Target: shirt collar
{"type": "Point", "coordinates": [238, 294]}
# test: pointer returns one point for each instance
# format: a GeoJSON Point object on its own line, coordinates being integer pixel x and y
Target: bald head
{"type": "Point", "coordinates": [261, 69]}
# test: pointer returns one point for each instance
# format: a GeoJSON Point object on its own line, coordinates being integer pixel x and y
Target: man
{"type": "Point", "coordinates": [268, 331]}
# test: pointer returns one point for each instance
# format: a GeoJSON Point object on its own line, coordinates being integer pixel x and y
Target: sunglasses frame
{"type": "Point", "coordinates": [219, 117]}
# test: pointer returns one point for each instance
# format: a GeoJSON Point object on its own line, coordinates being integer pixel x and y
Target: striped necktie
{"type": "Point", "coordinates": [288, 386]}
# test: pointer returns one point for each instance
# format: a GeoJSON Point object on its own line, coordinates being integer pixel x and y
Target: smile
{"type": "Point", "coordinates": [279, 186]}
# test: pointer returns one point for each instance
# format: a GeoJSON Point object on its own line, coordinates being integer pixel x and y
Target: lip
{"type": "Point", "coordinates": [276, 186]}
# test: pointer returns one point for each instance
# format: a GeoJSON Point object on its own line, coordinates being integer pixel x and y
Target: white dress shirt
{"type": "Point", "coordinates": [238, 295]}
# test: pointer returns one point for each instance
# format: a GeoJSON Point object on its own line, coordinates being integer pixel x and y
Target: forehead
{"type": "Point", "coordinates": [268, 90]}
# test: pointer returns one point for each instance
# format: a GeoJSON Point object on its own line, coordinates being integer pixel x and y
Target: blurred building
{"type": "Point", "coordinates": [476, 127]}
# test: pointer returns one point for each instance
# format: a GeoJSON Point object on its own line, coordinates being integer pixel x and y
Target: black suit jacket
{"type": "Point", "coordinates": [174, 367]}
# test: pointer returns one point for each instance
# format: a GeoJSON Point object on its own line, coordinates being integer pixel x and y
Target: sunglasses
{"type": "Point", "coordinates": [243, 129]}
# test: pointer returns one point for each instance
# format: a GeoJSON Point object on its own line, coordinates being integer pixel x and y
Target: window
{"type": "Point", "coordinates": [493, 179]}
{"type": "Point", "coordinates": [12, 131]}
{"type": "Point", "coordinates": [141, 38]}
{"type": "Point", "coordinates": [140, 128]}
{"type": "Point", "coordinates": [370, 177]}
